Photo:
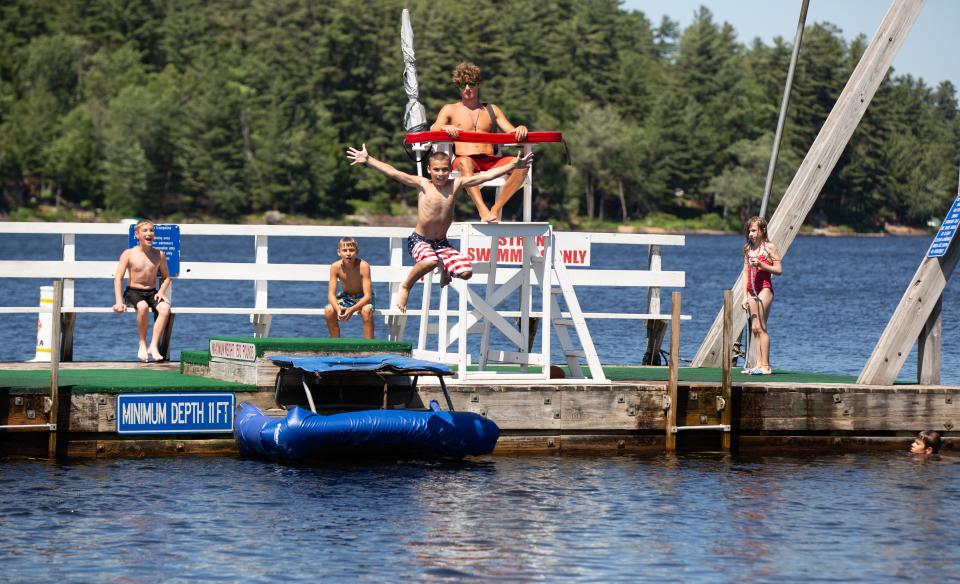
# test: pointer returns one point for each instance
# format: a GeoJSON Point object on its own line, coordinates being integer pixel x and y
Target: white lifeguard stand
{"type": "Point", "coordinates": [539, 275]}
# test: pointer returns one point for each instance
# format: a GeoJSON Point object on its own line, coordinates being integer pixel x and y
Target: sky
{"type": "Point", "coordinates": [927, 53]}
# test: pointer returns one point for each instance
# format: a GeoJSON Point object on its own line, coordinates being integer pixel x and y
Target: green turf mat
{"type": "Point", "coordinates": [195, 357]}
{"type": "Point", "coordinates": [703, 374]}
{"type": "Point", "coordinates": [710, 374]}
{"type": "Point", "coordinates": [345, 345]}
{"type": "Point", "coordinates": [82, 381]}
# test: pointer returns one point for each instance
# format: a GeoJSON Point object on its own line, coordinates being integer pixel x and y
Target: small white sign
{"type": "Point", "coordinates": [573, 249]}
{"type": "Point", "coordinates": [233, 350]}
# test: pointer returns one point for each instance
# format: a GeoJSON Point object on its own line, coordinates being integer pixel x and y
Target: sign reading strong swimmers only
{"type": "Point", "coordinates": [233, 350]}
{"type": "Point", "coordinates": [573, 249]}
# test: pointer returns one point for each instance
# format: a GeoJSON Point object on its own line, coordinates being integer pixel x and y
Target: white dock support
{"type": "Point", "coordinates": [261, 322]}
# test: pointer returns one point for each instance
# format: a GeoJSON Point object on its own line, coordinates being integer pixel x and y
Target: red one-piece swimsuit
{"type": "Point", "coordinates": [760, 279]}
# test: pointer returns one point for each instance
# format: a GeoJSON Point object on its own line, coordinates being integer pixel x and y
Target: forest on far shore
{"type": "Point", "coordinates": [223, 109]}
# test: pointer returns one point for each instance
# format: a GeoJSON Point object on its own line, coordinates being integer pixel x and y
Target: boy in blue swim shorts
{"type": "Point", "coordinates": [352, 274]}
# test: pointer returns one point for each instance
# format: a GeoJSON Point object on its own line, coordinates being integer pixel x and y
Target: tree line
{"type": "Point", "coordinates": [224, 108]}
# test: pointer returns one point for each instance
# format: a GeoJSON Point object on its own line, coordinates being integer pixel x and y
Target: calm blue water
{"type": "Point", "coordinates": [867, 517]}
{"type": "Point", "coordinates": [851, 518]}
{"type": "Point", "coordinates": [831, 304]}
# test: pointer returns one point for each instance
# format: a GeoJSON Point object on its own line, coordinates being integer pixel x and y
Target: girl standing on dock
{"type": "Point", "coordinates": [761, 260]}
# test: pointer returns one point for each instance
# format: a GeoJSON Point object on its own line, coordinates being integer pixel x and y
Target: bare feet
{"type": "Point", "coordinates": [142, 353]}
{"type": "Point", "coordinates": [402, 298]}
{"type": "Point", "coordinates": [155, 353]}
{"type": "Point", "coordinates": [489, 217]}
{"type": "Point", "coordinates": [496, 214]}
{"type": "Point", "coordinates": [444, 277]}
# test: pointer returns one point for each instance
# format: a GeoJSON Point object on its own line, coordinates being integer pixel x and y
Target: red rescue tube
{"type": "Point", "coordinates": [482, 137]}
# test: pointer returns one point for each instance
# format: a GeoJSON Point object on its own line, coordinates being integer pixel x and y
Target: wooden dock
{"type": "Point", "coordinates": [787, 411]}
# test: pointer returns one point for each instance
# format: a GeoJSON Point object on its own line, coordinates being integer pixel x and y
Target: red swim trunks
{"type": "Point", "coordinates": [482, 162]}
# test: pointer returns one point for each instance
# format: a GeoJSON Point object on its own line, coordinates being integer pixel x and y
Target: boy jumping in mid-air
{"type": "Point", "coordinates": [353, 274]}
{"type": "Point", "coordinates": [428, 243]}
{"type": "Point", "coordinates": [143, 263]}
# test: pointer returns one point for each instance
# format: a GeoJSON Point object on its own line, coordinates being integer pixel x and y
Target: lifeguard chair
{"type": "Point", "coordinates": [478, 313]}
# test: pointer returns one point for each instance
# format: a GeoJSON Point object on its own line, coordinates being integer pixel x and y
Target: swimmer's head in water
{"type": "Point", "coordinates": [926, 442]}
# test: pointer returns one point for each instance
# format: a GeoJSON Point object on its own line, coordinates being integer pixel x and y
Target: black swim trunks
{"type": "Point", "coordinates": [131, 296]}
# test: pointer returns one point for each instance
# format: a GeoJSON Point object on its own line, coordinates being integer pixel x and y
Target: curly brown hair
{"type": "Point", "coordinates": [466, 72]}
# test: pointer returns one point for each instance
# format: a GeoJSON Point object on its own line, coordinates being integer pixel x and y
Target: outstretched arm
{"type": "Point", "coordinates": [479, 179]}
{"type": "Point", "coordinates": [363, 157]}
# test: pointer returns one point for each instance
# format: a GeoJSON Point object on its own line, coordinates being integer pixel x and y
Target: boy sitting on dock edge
{"type": "Point", "coordinates": [353, 274]}
{"type": "Point", "coordinates": [428, 245]}
{"type": "Point", "coordinates": [143, 263]}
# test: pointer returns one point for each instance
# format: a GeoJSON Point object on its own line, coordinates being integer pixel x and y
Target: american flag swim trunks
{"type": "Point", "coordinates": [421, 248]}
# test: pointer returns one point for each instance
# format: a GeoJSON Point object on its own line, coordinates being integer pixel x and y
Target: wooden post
{"type": "Point", "coordinates": [55, 369]}
{"type": "Point", "coordinates": [928, 348]}
{"type": "Point", "coordinates": [163, 343]}
{"type": "Point", "coordinates": [824, 153]}
{"type": "Point", "coordinates": [726, 377]}
{"type": "Point", "coordinates": [674, 372]}
{"type": "Point", "coordinates": [68, 322]}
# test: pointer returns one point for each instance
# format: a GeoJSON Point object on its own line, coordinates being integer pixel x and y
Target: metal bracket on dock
{"type": "Point", "coordinates": [721, 427]}
{"type": "Point", "coordinates": [50, 427]}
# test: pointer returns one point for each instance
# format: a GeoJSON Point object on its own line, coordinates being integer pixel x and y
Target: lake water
{"type": "Point", "coordinates": [831, 304]}
{"type": "Point", "coordinates": [702, 518]}
{"type": "Point", "coordinates": [697, 517]}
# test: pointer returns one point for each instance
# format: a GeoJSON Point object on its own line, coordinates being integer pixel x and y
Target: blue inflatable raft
{"type": "Point", "coordinates": [304, 434]}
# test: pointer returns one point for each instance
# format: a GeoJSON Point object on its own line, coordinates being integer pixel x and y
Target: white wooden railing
{"type": "Point", "coordinates": [261, 270]}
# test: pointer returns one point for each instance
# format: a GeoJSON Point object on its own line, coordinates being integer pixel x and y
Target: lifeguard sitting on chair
{"type": "Point", "coordinates": [471, 115]}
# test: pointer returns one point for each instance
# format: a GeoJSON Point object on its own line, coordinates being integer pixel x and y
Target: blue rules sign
{"type": "Point", "coordinates": [174, 413]}
{"type": "Point", "coordinates": [947, 229]}
{"type": "Point", "coordinates": [166, 238]}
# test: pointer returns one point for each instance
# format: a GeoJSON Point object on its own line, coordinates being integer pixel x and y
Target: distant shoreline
{"type": "Point", "coordinates": [363, 219]}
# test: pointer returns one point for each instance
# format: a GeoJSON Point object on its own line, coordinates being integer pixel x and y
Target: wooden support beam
{"type": "Point", "coordinates": [928, 347]}
{"type": "Point", "coordinates": [824, 153]}
{"type": "Point", "coordinates": [673, 376]}
{"type": "Point", "coordinates": [909, 319]}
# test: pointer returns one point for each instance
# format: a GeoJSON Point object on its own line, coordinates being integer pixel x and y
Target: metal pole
{"type": "Point", "coordinates": [783, 108]}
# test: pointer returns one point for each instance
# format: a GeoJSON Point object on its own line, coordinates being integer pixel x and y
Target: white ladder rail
{"type": "Point", "coordinates": [579, 323]}
{"type": "Point", "coordinates": [566, 343]}
{"type": "Point", "coordinates": [491, 285]}
{"type": "Point", "coordinates": [395, 324]}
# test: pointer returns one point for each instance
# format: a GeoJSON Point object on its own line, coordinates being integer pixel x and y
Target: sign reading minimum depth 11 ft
{"type": "Point", "coordinates": [175, 413]}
